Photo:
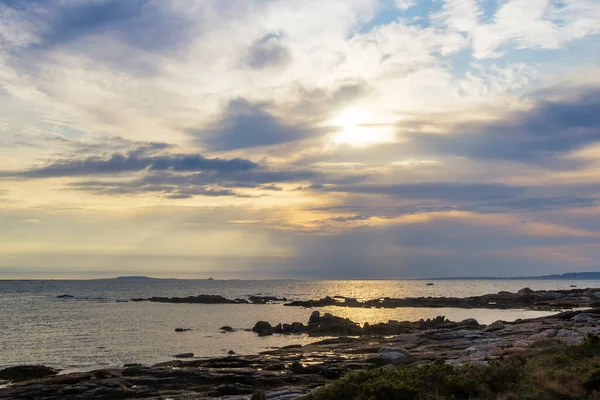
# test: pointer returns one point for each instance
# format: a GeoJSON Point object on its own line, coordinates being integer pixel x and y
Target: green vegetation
{"type": "Point", "coordinates": [548, 371]}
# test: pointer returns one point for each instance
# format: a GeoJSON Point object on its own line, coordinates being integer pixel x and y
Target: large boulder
{"type": "Point", "coordinates": [263, 328]}
{"type": "Point", "coordinates": [26, 372]}
{"type": "Point", "coordinates": [390, 356]}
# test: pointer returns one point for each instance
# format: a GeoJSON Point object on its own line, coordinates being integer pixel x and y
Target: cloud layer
{"type": "Point", "coordinates": [313, 139]}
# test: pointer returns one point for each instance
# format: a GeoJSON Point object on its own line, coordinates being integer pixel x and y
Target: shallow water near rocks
{"type": "Point", "coordinates": [93, 330]}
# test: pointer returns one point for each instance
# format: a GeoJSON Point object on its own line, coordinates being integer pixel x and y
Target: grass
{"type": "Point", "coordinates": [550, 371]}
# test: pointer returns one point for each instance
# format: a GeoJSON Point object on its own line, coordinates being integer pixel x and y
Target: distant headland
{"type": "Point", "coordinates": [565, 276]}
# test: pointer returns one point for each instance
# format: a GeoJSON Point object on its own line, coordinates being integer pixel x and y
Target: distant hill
{"type": "Point", "coordinates": [566, 276]}
{"type": "Point", "coordinates": [139, 278]}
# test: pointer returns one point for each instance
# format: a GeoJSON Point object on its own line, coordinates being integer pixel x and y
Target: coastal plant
{"type": "Point", "coordinates": [555, 371]}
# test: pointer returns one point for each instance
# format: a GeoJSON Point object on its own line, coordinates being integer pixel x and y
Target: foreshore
{"type": "Point", "coordinates": [295, 370]}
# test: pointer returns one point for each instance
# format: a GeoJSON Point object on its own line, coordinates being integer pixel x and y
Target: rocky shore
{"type": "Point", "coordinates": [525, 299]}
{"type": "Point", "coordinates": [294, 370]}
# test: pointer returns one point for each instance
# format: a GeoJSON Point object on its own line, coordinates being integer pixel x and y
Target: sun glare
{"type": "Point", "coordinates": [356, 129]}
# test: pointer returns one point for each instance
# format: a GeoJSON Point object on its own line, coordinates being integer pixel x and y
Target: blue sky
{"type": "Point", "coordinates": [303, 139]}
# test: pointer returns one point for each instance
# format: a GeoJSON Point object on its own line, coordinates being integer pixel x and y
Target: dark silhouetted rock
{"type": "Point", "coordinates": [184, 355]}
{"type": "Point", "coordinates": [200, 299]}
{"type": "Point", "coordinates": [182, 329]}
{"type": "Point", "coordinates": [26, 372]}
{"type": "Point", "coordinates": [263, 328]}
{"type": "Point", "coordinates": [65, 296]}
{"type": "Point", "coordinates": [227, 328]}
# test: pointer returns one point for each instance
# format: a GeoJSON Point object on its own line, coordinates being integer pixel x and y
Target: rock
{"type": "Point", "coordinates": [496, 326]}
{"type": "Point", "coordinates": [231, 352]}
{"type": "Point", "coordinates": [184, 355]}
{"type": "Point", "coordinates": [200, 299]}
{"type": "Point", "coordinates": [262, 328]}
{"type": "Point", "coordinates": [26, 372]}
{"type": "Point", "coordinates": [182, 329]}
{"type": "Point", "coordinates": [227, 328]}
{"type": "Point", "coordinates": [525, 291]}
{"type": "Point", "coordinates": [65, 296]}
{"type": "Point", "coordinates": [389, 356]}
{"type": "Point", "coordinates": [233, 389]}
{"type": "Point", "coordinates": [469, 322]}
{"type": "Point", "coordinates": [292, 346]}
{"type": "Point", "coordinates": [315, 317]}
{"type": "Point", "coordinates": [388, 349]}
{"type": "Point", "coordinates": [584, 318]}
{"type": "Point", "coordinates": [274, 367]}
{"type": "Point", "coordinates": [296, 367]}
{"type": "Point", "coordinates": [297, 327]}
{"type": "Point", "coordinates": [132, 365]}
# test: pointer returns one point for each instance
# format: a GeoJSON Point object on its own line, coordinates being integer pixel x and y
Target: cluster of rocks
{"type": "Point", "coordinates": [525, 298]}
{"type": "Point", "coordinates": [213, 299]}
{"type": "Point", "coordinates": [331, 325]}
{"type": "Point", "coordinates": [292, 371]}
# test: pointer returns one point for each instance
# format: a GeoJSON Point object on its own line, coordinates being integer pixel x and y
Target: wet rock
{"type": "Point", "coordinates": [232, 389]}
{"type": "Point", "coordinates": [65, 296]}
{"type": "Point", "coordinates": [315, 317]}
{"type": "Point", "coordinates": [263, 328]}
{"type": "Point", "coordinates": [184, 355]}
{"type": "Point", "coordinates": [182, 329]}
{"type": "Point", "coordinates": [292, 346]}
{"type": "Point", "coordinates": [26, 372]}
{"type": "Point", "coordinates": [227, 328]}
{"type": "Point", "coordinates": [274, 367]}
{"type": "Point", "coordinates": [200, 299]}
{"type": "Point", "coordinates": [231, 352]}
{"type": "Point", "coordinates": [265, 299]}
{"type": "Point", "coordinates": [296, 367]}
{"type": "Point", "coordinates": [132, 365]}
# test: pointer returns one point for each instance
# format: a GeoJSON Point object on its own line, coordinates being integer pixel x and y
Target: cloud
{"type": "Point", "coordinates": [145, 25]}
{"type": "Point", "coordinates": [435, 191]}
{"type": "Point", "coordinates": [481, 198]}
{"type": "Point", "coordinates": [538, 24]}
{"type": "Point", "coordinates": [268, 52]}
{"type": "Point", "coordinates": [244, 124]}
{"type": "Point", "coordinates": [133, 162]}
{"type": "Point", "coordinates": [543, 135]}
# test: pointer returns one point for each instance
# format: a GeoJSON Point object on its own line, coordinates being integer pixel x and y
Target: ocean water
{"type": "Point", "coordinates": [95, 331]}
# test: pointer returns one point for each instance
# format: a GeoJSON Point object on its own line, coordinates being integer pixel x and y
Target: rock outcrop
{"type": "Point", "coordinates": [288, 373]}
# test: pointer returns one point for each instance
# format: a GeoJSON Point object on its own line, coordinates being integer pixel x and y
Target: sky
{"type": "Point", "coordinates": [325, 139]}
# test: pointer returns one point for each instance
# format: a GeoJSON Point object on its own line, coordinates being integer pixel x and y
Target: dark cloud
{"type": "Point", "coordinates": [268, 52]}
{"type": "Point", "coordinates": [134, 162]}
{"type": "Point", "coordinates": [479, 198]}
{"type": "Point", "coordinates": [434, 191]}
{"type": "Point", "coordinates": [143, 24]}
{"type": "Point", "coordinates": [206, 183]}
{"type": "Point", "coordinates": [542, 135]}
{"type": "Point", "coordinates": [244, 125]}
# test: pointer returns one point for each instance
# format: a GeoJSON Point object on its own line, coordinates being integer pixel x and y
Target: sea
{"type": "Point", "coordinates": [98, 328]}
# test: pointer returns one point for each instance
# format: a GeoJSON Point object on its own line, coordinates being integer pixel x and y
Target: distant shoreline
{"type": "Point", "coordinates": [565, 276]}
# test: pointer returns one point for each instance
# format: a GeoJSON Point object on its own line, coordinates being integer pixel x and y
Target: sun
{"type": "Point", "coordinates": [356, 129]}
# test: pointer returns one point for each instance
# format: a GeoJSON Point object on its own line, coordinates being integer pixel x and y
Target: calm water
{"type": "Point", "coordinates": [95, 331]}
